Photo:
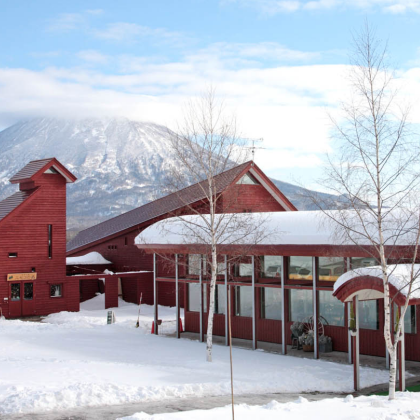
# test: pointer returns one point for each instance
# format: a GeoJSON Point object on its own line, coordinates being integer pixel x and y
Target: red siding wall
{"type": "Point", "coordinates": [25, 231]}
{"type": "Point", "coordinates": [255, 198]}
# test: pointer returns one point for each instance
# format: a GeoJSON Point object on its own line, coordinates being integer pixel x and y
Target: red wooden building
{"type": "Point", "coordinates": [285, 280]}
{"type": "Point", "coordinates": [33, 243]}
{"type": "Point", "coordinates": [114, 238]}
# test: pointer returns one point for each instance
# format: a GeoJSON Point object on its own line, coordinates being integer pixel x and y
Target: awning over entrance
{"type": "Point", "coordinates": [367, 284]}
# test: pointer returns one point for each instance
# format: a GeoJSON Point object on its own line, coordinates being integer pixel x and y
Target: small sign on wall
{"type": "Point", "coordinates": [110, 317]}
{"type": "Point", "coordinates": [21, 276]}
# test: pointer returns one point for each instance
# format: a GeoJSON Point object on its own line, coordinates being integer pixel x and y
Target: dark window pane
{"type": "Point", "coordinates": [243, 300]}
{"type": "Point", "coordinates": [300, 304]}
{"type": "Point", "coordinates": [330, 268]}
{"type": "Point", "coordinates": [271, 305]}
{"type": "Point", "coordinates": [220, 299]}
{"type": "Point", "coordinates": [300, 268]}
{"type": "Point", "coordinates": [55, 290]}
{"type": "Point", "coordinates": [410, 320]}
{"type": "Point", "coordinates": [368, 315]}
{"type": "Point", "coordinates": [271, 266]}
{"type": "Point", "coordinates": [331, 308]}
{"type": "Point", "coordinates": [28, 291]}
{"type": "Point", "coordinates": [15, 291]}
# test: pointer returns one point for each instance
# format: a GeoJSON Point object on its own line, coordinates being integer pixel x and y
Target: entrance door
{"type": "Point", "coordinates": [15, 304]}
{"type": "Point", "coordinates": [21, 301]}
{"type": "Point", "coordinates": [28, 302]}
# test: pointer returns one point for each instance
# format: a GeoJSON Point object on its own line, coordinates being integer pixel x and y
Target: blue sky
{"type": "Point", "coordinates": [279, 64]}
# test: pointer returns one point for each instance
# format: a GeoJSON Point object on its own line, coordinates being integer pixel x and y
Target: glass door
{"type": "Point", "coordinates": [15, 304]}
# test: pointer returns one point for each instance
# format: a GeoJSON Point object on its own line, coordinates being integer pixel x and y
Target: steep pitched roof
{"type": "Point", "coordinates": [171, 203]}
{"type": "Point", "coordinates": [154, 209]}
{"type": "Point", "coordinates": [36, 168]}
{"type": "Point", "coordinates": [12, 202]}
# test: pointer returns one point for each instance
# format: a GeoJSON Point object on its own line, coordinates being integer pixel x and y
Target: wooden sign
{"type": "Point", "coordinates": [21, 276]}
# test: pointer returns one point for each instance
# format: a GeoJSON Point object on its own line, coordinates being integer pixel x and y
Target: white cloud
{"type": "Point", "coordinates": [66, 22]}
{"type": "Point", "coordinates": [286, 105]}
{"type": "Point", "coordinates": [92, 56]}
{"type": "Point", "coordinates": [273, 7]}
{"type": "Point", "coordinates": [131, 32]}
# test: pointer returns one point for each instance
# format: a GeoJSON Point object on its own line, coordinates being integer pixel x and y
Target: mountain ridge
{"type": "Point", "coordinates": [119, 163]}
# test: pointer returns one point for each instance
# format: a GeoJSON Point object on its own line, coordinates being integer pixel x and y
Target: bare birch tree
{"type": "Point", "coordinates": [206, 144]}
{"type": "Point", "coordinates": [375, 176]}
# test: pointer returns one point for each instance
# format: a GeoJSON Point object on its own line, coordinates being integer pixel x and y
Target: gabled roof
{"type": "Point", "coordinates": [170, 203]}
{"type": "Point", "coordinates": [12, 202]}
{"type": "Point", "coordinates": [36, 168]}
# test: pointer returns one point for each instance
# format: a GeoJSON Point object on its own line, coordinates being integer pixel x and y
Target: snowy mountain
{"type": "Point", "coordinates": [119, 163]}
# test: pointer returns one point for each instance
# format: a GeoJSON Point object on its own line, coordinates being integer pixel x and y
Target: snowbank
{"type": "Point", "coordinates": [399, 276]}
{"type": "Point", "coordinates": [93, 258]}
{"type": "Point", "coordinates": [406, 406]}
{"type": "Point", "coordinates": [75, 359]}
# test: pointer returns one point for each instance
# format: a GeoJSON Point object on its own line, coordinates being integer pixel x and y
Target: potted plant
{"type": "Point", "coordinates": [307, 341]}
{"type": "Point", "coordinates": [325, 344]}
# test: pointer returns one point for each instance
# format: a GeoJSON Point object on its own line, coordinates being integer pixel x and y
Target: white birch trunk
{"type": "Point", "coordinates": [392, 373]}
{"type": "Point", "coordinates": [211, 304]}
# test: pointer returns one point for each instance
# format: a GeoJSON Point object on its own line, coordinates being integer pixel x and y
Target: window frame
{"type": "Point", "coordinates": [61, 290]}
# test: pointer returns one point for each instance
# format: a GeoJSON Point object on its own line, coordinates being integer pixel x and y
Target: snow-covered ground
{"type": "Point", "coordinates": [406, 406]}
{"type": "Point", "coordinates": [75, 359]}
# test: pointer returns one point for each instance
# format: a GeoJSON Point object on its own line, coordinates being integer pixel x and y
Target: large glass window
{"type": "Point", "coordinates": [300, 268]}
{"type": "Point", "coordinates": [243, 301]}
{"type": "Point", "coordinates": [194, 297]}
{"type": "Point", "coordinates": [271, 303]}
{"type": "Point", "coordinates": [194, 264]}
{"type": "Point", "coordinates": [330, 268]}
{"type": "Point", "coordinates": [15, 291]}
{"type": "Point", "coordinates": [368, 314]}
{"type": "Point", "coordinates": [300, 304]}
{"type": "Point", "coordinates": [359, 262]}
{"type": "Point", "coordinates": [248, 179]}
{"type": "Point", "coordinates": [243, 270]}
{"type": "Point", "coordinates": [220, 299]}
{"type": "Point", "coordinates": [270, 266]}
{"type": "Point", "coordinates": [331, 308]}
{"type": "Point", "coordinates": [28, 291]}
{"type": "Point", "coordinates": [56, 290]}
{"type": "Point", "coordinates": [409, 320]}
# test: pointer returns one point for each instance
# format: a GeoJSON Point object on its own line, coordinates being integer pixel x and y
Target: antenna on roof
{"type": "Point", "coordinates": [253, 147]}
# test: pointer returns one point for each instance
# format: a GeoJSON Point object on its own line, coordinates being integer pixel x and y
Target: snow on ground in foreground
{"type": "Point", "coordinates": [75, 359]}
{"type": "Point", "coordinates": [406, 406]}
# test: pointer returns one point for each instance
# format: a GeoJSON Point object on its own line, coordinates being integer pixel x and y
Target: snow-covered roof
{"type": "Point", "coordinates": [284, 228]}
{"type": "Point", "coordinates": [399, 276]}
{"type": "Point", "coordinates": [300, 227]}
{"type": "Point", "coordinates": [93, 258]}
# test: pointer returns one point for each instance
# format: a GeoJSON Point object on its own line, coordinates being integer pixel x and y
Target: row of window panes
{"type": "Point", "coordinates": [28, 291]}
{"type": "Point", "coordinates": [299, 268]}
{"type": "Point", "coordinates": [300, 306]}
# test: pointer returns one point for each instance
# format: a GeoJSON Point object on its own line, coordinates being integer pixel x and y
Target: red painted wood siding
{"type": "Point", "coordinates": [25, 231]}
{"type": "Point", "coordinates": [255, 198]}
